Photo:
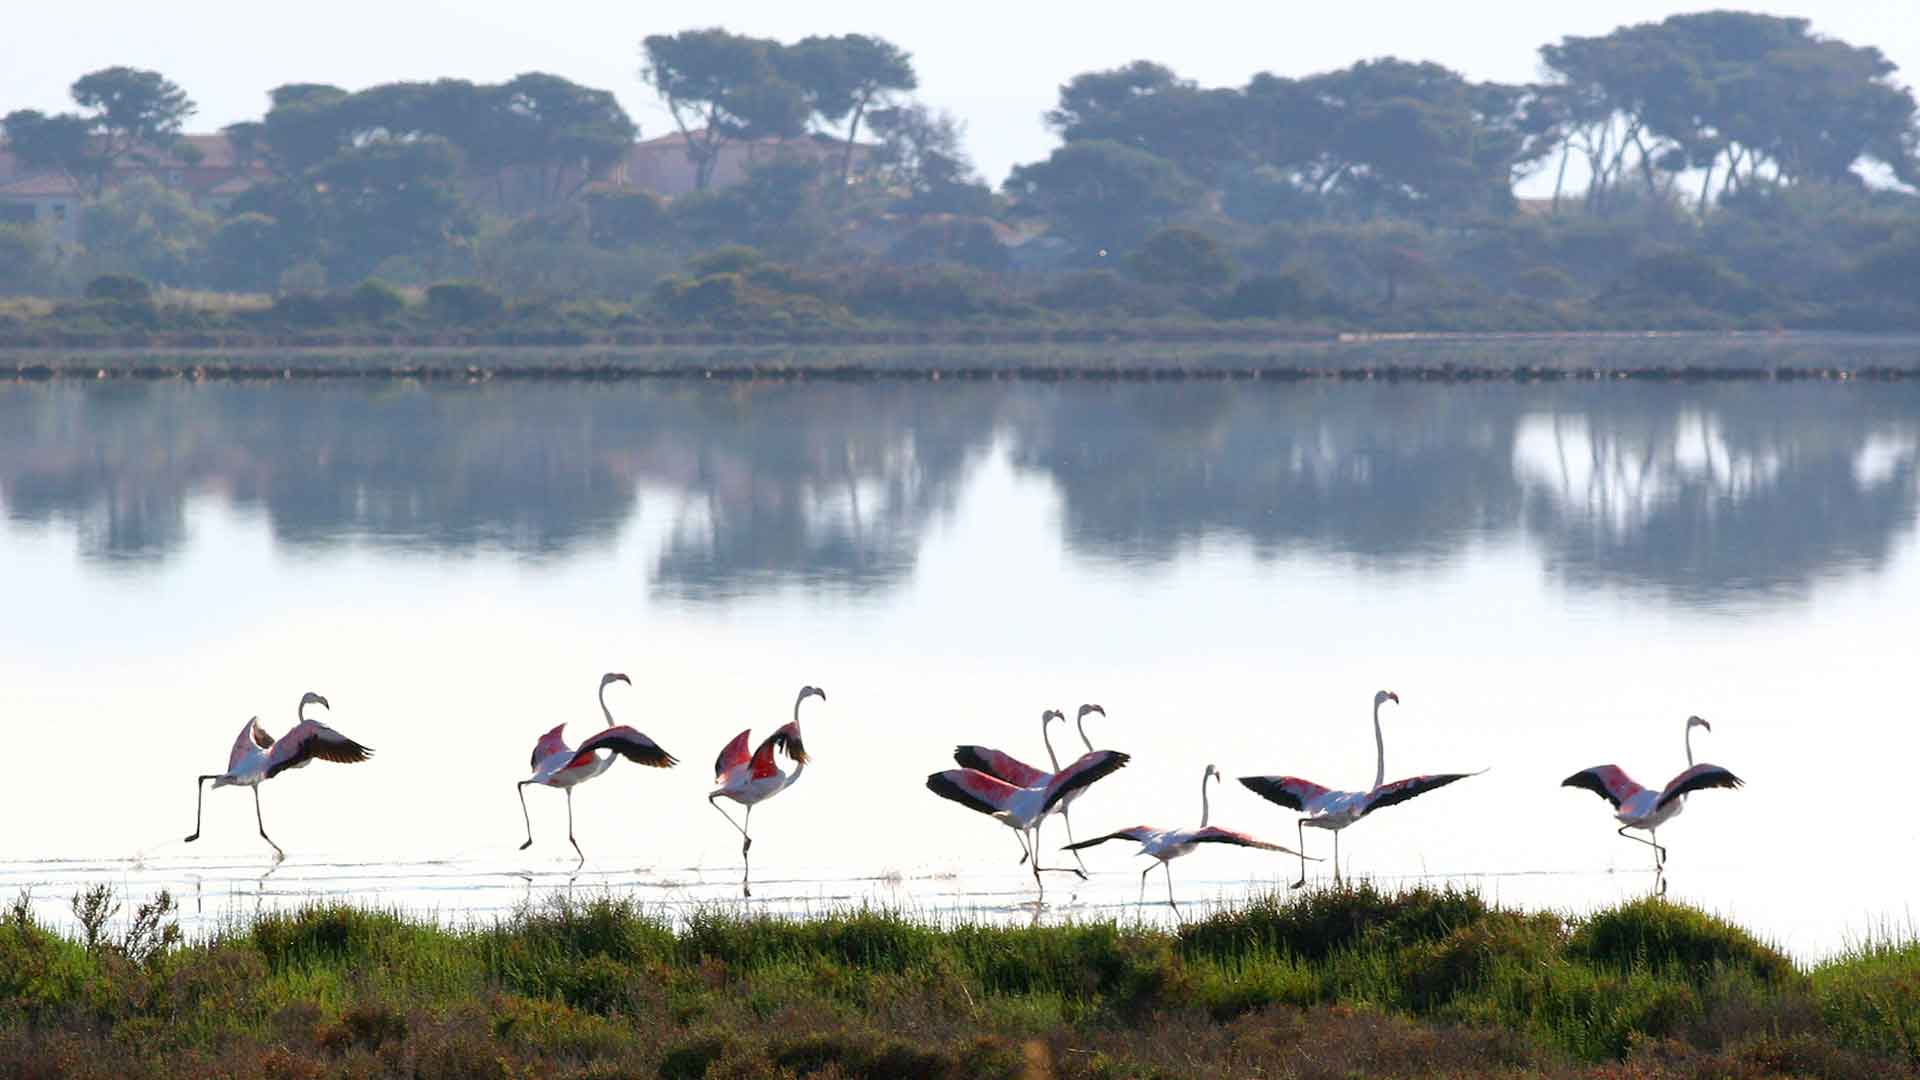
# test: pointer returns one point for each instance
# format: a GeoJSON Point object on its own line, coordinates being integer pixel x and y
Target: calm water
{"type": "Point", "coordinates": [1551, 577]}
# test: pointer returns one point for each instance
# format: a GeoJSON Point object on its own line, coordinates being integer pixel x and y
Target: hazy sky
{"type": "Point", "coordinates": [994, 63]}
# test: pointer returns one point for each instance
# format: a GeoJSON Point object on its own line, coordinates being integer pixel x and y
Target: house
{"type": "Point", "coordinates": [208, 169]}
{"type": "Point", "coordinates": [49, 200]}
{"type": "Point", "coordinates": [661, 164]}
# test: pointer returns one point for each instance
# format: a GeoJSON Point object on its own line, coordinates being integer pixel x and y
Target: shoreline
{"type": "Point", "coordinates": [1686, 356]}
{"type": "Point", "coordinates": [1331, 981]}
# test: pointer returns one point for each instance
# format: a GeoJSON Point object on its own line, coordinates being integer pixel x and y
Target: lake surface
{"type": "Point", "coordinates": [1550, 576]}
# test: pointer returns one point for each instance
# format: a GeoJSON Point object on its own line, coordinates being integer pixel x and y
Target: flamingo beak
{"type": "Point", "coordinates": [1395, 698]}
{"type": "Point", "coordinates": [323, 702]}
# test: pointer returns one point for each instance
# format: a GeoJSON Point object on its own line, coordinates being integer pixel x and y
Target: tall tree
{"type": "Point", "coordinates": [720, 87]}
{"type": "Point", "coordinates": [921, 153]}
{"type": "Point", "coordinates": [843, 77]}
{"type": "Point", "coordinates": [62, 143]}
{"type": "Point", "coordinates": [130, 113]}
{"type": "Point", "coordinates": [563, 129]}
{"type": "Point", "coordinates": [1105, 195]}
{"type": "Point", "coordinates": [134, 111]}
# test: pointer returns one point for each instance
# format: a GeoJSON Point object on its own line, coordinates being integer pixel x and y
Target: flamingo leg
{"type": "Point", "coordinates": [1659, 853]}
{"type": "Point", "coordinates": [522, 787]}
{"type": "Point", "coordinates": [1033, 845]}
{"type": "Point", "coordinates": [199, 800]}
{"type": "Point", "coordinates": [1300, 830]}
{"type": "Point", "coordinates": [746, 860]}
{"type": "Point", "coordinates": [745, 840]}
{"type": "Point", "coordinates": [1336, 856]}
{"type": "Point", "coordinates": [277, 853]}
{"type": "Point", "coordinates": [1068, 820]}
{"type": "Point", "coordinates": [570, 839]}
{"type": "Point", "coordinates": [1143, 882]}
{"type": "Point", "coordinates": [1168, 867]}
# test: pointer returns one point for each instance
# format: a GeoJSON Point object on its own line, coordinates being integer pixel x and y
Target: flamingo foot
{"type": "Point", "coordinates": [192, 838]}
{"type": "Point", "coordinates": [527, 845]}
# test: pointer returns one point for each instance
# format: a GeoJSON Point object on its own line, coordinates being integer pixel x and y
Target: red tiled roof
{"type": "Point", "coordinates": [40, 186]}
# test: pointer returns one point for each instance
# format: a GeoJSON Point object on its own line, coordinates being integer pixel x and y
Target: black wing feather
{"type": "Point", "coordinates": [1083, 777]}
{"type": "Point", "coordinates": [1585, 778]}
{"type": "Point", "coordinates": [1407, 789]}
{"type": "Point", "coordinates": [1709, 777]}
{"type": "Point", "coordinates": [1272, 790]}
{"type": "Point", "coordinates": [941, 785]}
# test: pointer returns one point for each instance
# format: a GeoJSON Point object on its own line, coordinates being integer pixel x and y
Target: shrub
{"type": "Point", "coordinates": [120, 289]}
{"type": "Point", "coordinates": [624, 218]}
{"type": "Point", "coordinates": [374, 300]}
{"type": "Point", "coordinates": [1181, 257]}
{"type": "Point", "coordinates": [1265, 296]}
{"type": "Point", "coordinates": [463, 302]}
{"type": "Point", "coordinates": [1662, 936]}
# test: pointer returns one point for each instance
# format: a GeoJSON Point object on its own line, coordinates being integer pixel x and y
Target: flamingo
{"type": "Point", "coordinates": [749, 779]}
{"type": "Point", "coordinates": [1637, 808]}
{"type": "Point", "coordinates": [557, 765]}
{"type": "Point", "coordinates": [1022, 809]}
{"type": "Point", "coordinates": [1167, 845]}
{"type": "Point", "coordinates": [1335, 810]}
{"type": "Point", "coordinates": [1004, 766]}
{"type": "Point", "coordinates": [257, 757]}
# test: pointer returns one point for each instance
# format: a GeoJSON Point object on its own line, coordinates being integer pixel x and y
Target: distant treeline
{"type": "Point", "coordinates": [1722, 169]}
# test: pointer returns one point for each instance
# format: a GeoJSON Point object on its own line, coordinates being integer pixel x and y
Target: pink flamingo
{"type": "Point", "coordinates": [257, 757]}
{"type": "Point", "coordinates": [1335, 810]}
{"type": "Point", "coordinates": [1004, 766]}
{"type": "Point", "coordinates": [1167, 845]}
{"type": "Point", "coordinates": [749, 779]}
{"type": "Point", "coordinates": [1022, 809]}
{"type": "Point", "coordinates": [1636, 807]}
{"type": "Point", "coordinates": [555, 764]}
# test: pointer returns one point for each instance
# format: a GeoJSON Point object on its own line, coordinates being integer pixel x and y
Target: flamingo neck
{"type": "Point", "coordinates": [604, 711]}
{"type": "Point", "coordinates": [1205, 808]}
{"type": "Point", "coordinates": [1080, 723]}
{"type": "Point", "coordinates": [1048, 739]}
{"type": "Point", "coordinates": [1689, 746]}
{"type": "Point", "coordinates": [1380, 748]}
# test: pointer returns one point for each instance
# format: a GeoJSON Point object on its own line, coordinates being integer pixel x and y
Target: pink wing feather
{"type": "Point", "coordinates": [1288, 791]}
{"type": "Point", "coordinates": [251, 737]}
{"type": "Point", "coordinates": [551, 743]}
{"type": "Point", "coordinates": [733, 755]}
{"type": "Point", "coordinates": [1610, 782]}
{"type": "Point", "coordinates": [1000, 764]}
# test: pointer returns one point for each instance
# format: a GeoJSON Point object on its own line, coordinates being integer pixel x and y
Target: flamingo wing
{"type": "Point", "coordinates": [1139, 834]}
{"type": "Point", "coordinates": [973, 789]}
{"type": "Point", "coordinates": [1610, 782]}
{"type": "Point", "coordinates": [733, 755]}
{"type": "Point", "coordinates": [550, 744]}
{"type": "Point", "coordinates": [1401, 790]}
{"type": "Point", "coordinates": [1289, 791]}
{"type": "Point", "coordinates": [787, 738]}
{"type": "Point", "coordinates": [1214, 834]}
{"type": "Point", "coordinates": [311, 739]}
{"type": "Point", "coordinates": [629, 744]}
{"type": "Point", "coordinates": [1090, 767]}
{"type": "Point", "coordinates": [1000, 764]}
{"type": "Point", "coordinates": [1696, 778]}
{"type": "Point", "coordinates": [251, 736]}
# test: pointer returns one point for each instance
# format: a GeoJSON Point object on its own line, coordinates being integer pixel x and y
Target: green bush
{"type": "Point", "coordinates": [1662, 936]}
{"type": "Point", "coordinates": [463, 303]}
{"type": "Point", "coordinates": [375, 301]}
{"type": "Point", "coordinates": [1183, 258]}
{"type": "Point", "coordinates": [119, 289]}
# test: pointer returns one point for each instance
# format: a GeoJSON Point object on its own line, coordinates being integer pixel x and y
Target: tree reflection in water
{"type": "Point", "coordinates": [1700, 493]}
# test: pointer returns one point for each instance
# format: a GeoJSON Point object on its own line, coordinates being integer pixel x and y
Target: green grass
{"type": "Point", "coordinates": [1351, 982]}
